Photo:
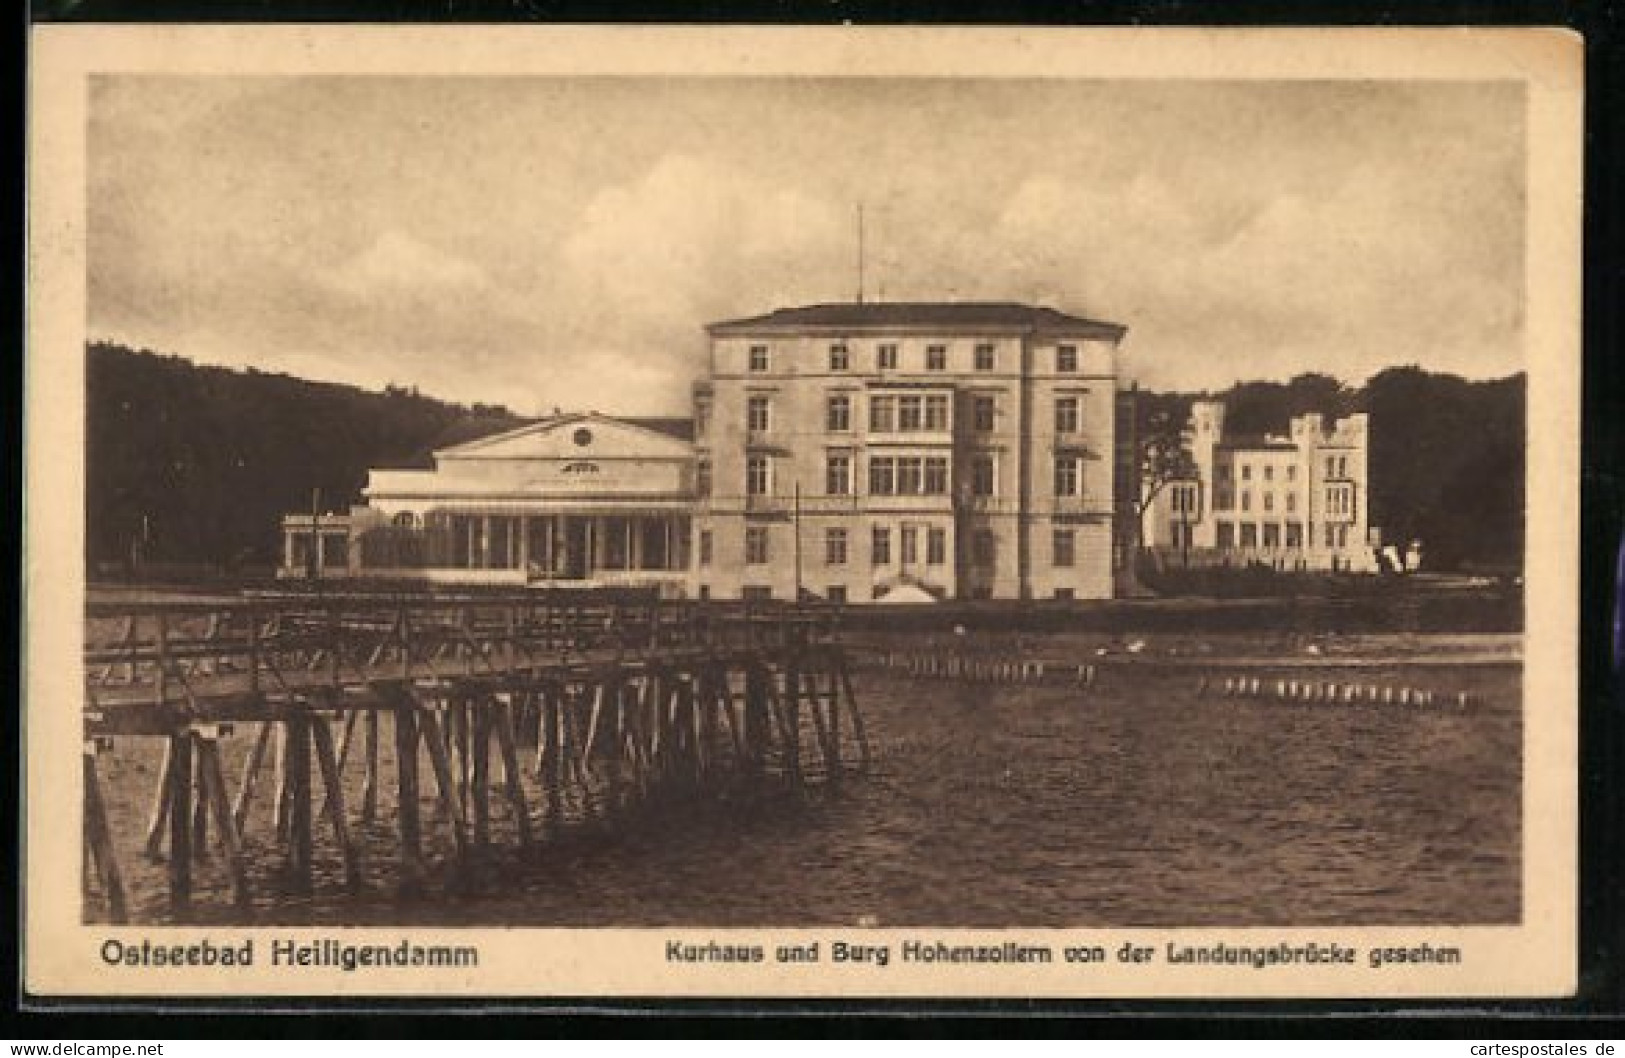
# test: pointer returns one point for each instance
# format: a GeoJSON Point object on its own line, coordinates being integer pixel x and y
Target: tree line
{"type": "Point", "coordinates": [187, 463]}
{"type": "Point", "coordinates": [194, 464]}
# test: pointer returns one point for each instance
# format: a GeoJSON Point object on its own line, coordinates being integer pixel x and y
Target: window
{"type": "Point", "coordinates": [839, 358]}
{"type": "Point", "coordinates": [1291, 502]}
{"type": "Point", "coordinates": [1066, 475]}
{"type": "Point", "coordinates": [936, 547]}
{"type": "Point", "coordinates": [1182, 499]}
{"type": "Point", "coordinates": [910, 475]}
{"type": "Point", "coordinates": [936, 357]}
{"type": "Point", "coordinates": [886, 357]}
{"type": "Point", "coordinates": [936, 411]}
{"type": "Point", "coordinates": [911, 545]}
{"type": "Point", "coordinates": [1066, 359]}
{"type": "Point", "coordinates": [883, 414]}
{"type": "Point", "coordinates": [1224, 471]}
{"type": "Point", "coordinates": [757, 476]}
{"type": "Point", "coordinates": [882, 475]}
{"type": "Point", "coordinates": [1269, 472]}
{"type": "Point", "coordinates": [1331, 470]}
{"type": "Point", "coordinates": [983, 410]}
{"type": "Point", "coordinates": [834, 547]}
{"type": "Point", "coordinates": [1227, 534]}
{"type": "Point", "coordinates": [1342, 466]}
{"type": "Point", "coordinates": [702, 477]}
{"type": "Point", "coordinates": [705, 547]}
{"type": "Point", "coordinates": [1066, 415]}
{"type": "Point", "coordinates": [1246, 499]}
{"type": "Point", "coordinates": [1292, 472]}
{"type": "Point", "coordinates": [756, 592]}
{"type": "Point", "coordinates": [1269, 501]}
{"type": "Point", "coordinates": [705, 592]}
{"type": "Point", "coordinates": [982, 481]}
{"type": "Point", "coordinates": [1272, 534]}
{"type": "Point", "coordinates": [984, 356]}
{"type": "Point", "coordinates": [1331, 536]}
{"type": "Point", "coordinates": [758, 414]}
{"type": "Point", "coordinates": [910, 414]}
{"type": "Point", "coordinates": [1064, 545]}
{"type": "Point", "coordinates": [1222, 499]}
{"type": "Point", "coordinates": [405, 520]}
{"type": "Point", "coordinates": [1249, 534]}
{"type": "Point", "coordinates": [983, 544]}
{"type": "Point", "coordinates": [880, 545]}
{"type": "Point", "coordinates": [1342, 536]}
{"type": "Point", "coordinates": [936, 475]}
{"type": "Point", "coordinates": [838, 474]}
{"type": "Point", "coordinates": [756, 545]}
{"type": "Point", "coordinates": [702, 417]}
{"type": "Point", "coordinates": [838, 413]}
{"type": "Point", "coordinates": [758, 358]}
{"type": "Point", "coordinates": [1065, 594]}
{"type": "Point", "coordinates": [835, 593]}
{"type": "Point", "coordinates": [1246, 472]}
{"type": "Point", "coordinates": [1294, 534]}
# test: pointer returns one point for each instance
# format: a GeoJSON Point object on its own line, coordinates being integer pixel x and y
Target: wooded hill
{"type": "Point", "coordinates": [198, 464]}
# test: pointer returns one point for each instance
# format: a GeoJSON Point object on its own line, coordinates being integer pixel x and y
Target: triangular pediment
{"type": "Point", "coordinates": [587, 436]}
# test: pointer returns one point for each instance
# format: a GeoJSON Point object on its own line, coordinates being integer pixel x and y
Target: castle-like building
{"type": "Point", "coordinates": [857, 452]}
{"type": "Point", "coordinates": [1297, 501]}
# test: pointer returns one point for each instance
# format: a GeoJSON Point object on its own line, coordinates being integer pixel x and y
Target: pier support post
{"type": "Point", "coordinates": [212, 789]}
{"type": "Point", "coordinates": [406, 774]}
{"type": "Point", "coordinates": [99, 842]}
{"type": "Point", "coordinates": [333, 803]}
{"type": "Point", "coordinates": [180, 820]}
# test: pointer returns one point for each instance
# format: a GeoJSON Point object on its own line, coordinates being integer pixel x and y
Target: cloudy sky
{"type": "Point", "coordinates": [546, 242]}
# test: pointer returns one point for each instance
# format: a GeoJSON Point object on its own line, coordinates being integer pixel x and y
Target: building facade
{"type": "Point", "coordinates": [1298, 501]}
{"type": "Point", "coordinates": [906, 451]}
{"type": "Point", "coordinates": [573, 501]}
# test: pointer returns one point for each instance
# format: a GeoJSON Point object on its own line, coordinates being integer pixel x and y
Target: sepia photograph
{"type": "Point", "coordinates": [884, 512]}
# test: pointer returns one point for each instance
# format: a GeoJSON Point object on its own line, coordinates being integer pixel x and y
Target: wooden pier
{"type": "Point", "coordinates": [472, 720]}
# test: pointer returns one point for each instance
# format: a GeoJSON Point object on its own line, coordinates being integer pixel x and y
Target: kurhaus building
{"type": "Point", "coordinates": [851, 452]}
{"type": "Point", "coordinates": [873, 451]}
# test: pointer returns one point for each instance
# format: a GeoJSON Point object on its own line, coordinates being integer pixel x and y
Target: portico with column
{"type": "Point", "coordinates": [576, 500]}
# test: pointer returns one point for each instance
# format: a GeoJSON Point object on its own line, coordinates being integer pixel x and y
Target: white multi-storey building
{"type": "Point", "coordinates": [947, 450]}
{"type": "Point", "coordinates": [1293, 501]}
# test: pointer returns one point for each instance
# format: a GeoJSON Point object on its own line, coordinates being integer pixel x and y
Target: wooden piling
{"type": "Point", "coordinates": [406, 811]}
{"type": "Point", "coordinates": [212, 786]}
{"type": "Point", "coordinates": [99, 842]}
{"type": "Point", "coordinates": [301, 858]}
{"type": "Point", "coordinates": [180, 821]}
{"type": "Point", "coordinates": [333, 802]}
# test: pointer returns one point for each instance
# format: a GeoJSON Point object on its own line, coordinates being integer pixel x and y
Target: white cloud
{"type": "Point", "coordinates": [397, 262]}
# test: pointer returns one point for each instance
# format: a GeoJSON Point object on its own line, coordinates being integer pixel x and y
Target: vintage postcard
{"type": "Point", "coordinates": [742, 512]}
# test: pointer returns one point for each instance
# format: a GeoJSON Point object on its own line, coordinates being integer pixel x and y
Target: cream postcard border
{"type": "Point", "coordinates": [60, 954]}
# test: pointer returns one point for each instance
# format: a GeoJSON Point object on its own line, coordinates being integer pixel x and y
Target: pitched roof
{"type": "Point", "coordinates": [469, 430]}
{"type": "Point", "coordinates": [923, 314]}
